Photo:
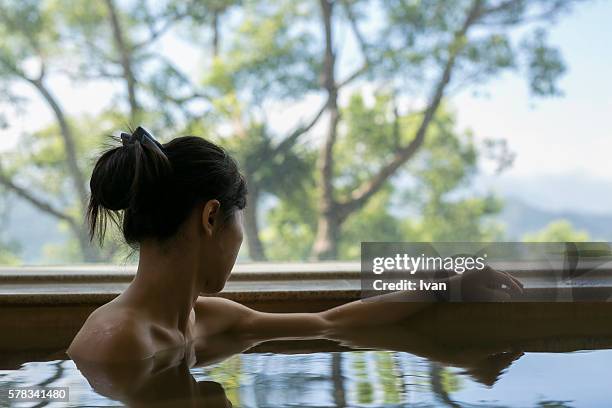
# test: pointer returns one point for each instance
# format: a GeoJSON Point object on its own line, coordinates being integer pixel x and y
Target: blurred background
{"type": "Point", "coordinates": [352, 120]}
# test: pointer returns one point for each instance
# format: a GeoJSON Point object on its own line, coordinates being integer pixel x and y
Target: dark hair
{"type": "Point", "coordinates": [149, 189]}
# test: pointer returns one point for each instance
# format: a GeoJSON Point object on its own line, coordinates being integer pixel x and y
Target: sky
{"type": "Point", "coordinates": [567, 134]}
{"type": "Point", "coordinates": [562, 145]}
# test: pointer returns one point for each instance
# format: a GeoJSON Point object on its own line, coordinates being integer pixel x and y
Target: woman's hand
{"type": "Point", "coordinates": [486, 285]}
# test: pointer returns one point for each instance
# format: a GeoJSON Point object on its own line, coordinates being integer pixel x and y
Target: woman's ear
{"type": "Point", "coordinates": [210, 215]}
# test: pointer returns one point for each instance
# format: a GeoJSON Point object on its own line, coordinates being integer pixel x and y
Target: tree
{"type": "Point", "coordinates": [258, 54]}
{"type": "Point", "coordinates": [28, 31]}
{"type": "Point", "coordinates": [421, 203]}
{"type": "Point", "coordinates": [558, 231]}
{"type": "Point", "coordinates": [265, 59]}
{"type": "Point", "coordinates": [467, 40]}
{"type": "Point", "coordinates": [50, 34]}
{"type": "Point", "coordinates": [288, 50]}
{"type": "Point", "coordinates": [114, 42]}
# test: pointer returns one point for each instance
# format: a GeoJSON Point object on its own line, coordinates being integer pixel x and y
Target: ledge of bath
{"type": "Point", "coordinates": [42, 308]}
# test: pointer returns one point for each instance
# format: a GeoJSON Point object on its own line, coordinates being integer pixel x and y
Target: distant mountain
{"type": "Point", "coordinates": [571, 191]}
{"type": "Point", "coordinates": [520, 218]}
{"type": "Point", "coordinates": [31, 229]}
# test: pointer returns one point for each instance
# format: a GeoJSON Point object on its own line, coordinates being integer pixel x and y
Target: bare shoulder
{"type": "Point", "coordinates": [218, 304]}
{"type": "Point", "coordinates": [216, 315]}
{"type": "Point", "coordinates": [112, 334]}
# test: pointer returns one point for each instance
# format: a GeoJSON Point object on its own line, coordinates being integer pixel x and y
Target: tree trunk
{"type": "Point", "coordinates": [76, 176]}
{"type": "Point", "coordinates": [332, 212]}
{"type": "Point", "coordinates": [125, 57]}
{"type": "Point", "coordinates": [326, 241]}
{"type": "Point", "coordinates": [328, 223]}
{"type": "Point", "coordinates": [215, 33]}
{"type": "Point", "coordinates": [329, 220]}
{"type": "Point", "coordinates": [89, 252]}
{"type": "Point", "coordinates": [254, 244]}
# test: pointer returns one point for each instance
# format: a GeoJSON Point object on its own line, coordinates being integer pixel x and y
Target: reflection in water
{"type": "Point", "coordinates": [163, 380]}
{"type": "Point", "coordinates": [443, 383]}
{"type": "Point", "coordinates": [424, 371]}
{"type": "Point", "coordinates": [326, 379]}
{"type": "Point", "coordinates": [337, 380]}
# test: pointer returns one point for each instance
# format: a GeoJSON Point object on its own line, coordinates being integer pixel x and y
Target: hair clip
{"type": "Point", "coordinates": [143, 136]}
{"type": "Point", "coordinates": [126, 138]}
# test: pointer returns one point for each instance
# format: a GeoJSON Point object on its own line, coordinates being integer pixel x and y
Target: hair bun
{"type": "Point", "coordinates": [112, 179]}
{"type": "Point", "coordinates": [127, 177]}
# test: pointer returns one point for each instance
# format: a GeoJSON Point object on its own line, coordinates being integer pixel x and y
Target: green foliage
{"type": "Point", "coordinates": [421, 32]}
{"type": "Point", "coordinates": [8, 258]}
{"type": "Point", "coordinates": [443, 170]}
{"type": "Point", "coordinates": [373, 222]}
{"type": "Point", "coordinates": [289, 233]}
{"type": "Point", "coordinates": [269, 56]}
{"type": "Point", "coordinates": [370, 138]}
{"type": "Point", "coordinates": [434, 209]}
{"type": "Point", "coordinates": [283, 175]}
{"type": "Point", "coordinates": [451, 382]}
{"type": "Point", "coordinates": [9, 250]}
{"type": "Point", "coordinates": [255, 54]}
{"type": "Point", "coordinates": [27, 28]}
{"type": "Point", "coordinates": [558, 231]}
{"type": "Point", "coordinates": [462, 220]}
{"type": "Point", "coordinates": [544, 65]}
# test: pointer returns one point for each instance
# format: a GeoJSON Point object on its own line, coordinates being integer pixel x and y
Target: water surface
{"type": "Point", "coordinates": [356, 378]}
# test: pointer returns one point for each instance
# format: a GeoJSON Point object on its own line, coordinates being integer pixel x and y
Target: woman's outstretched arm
{"type": "Point", "coordinates": [217, 315]}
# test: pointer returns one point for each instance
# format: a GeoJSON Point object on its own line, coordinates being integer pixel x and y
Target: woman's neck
{"type": "Point", "coordinates": [167, 283]}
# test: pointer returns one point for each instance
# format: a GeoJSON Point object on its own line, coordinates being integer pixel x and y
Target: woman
{"type": "Point", "coordinates": [180, 203]}
{"type": "Point", "coordinates": [167, 380]}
